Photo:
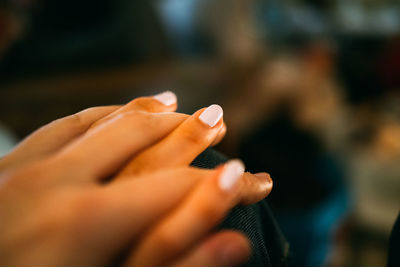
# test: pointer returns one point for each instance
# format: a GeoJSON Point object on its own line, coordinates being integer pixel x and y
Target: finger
{"type": "Point", "coordinates": [224, 249]}
{"type": "Point", "coordinates": [188, 140]}
{"type": "Point", "coordinates": [133, 198]}
{"type": "Point", "coordinates": [149, 197]}
{"type": "Point", "coordinates": [132, 206]}
{"type": "Point", "coordinates": [55, 135]}
{"type": "Point", "coordinates": [254, 187]}
{"type": "Point", "coordinates": [192, 220]}
{"type": "Point", "coordinates": [142, 196]}
{"type": "Point", "coordinates": [220, 136]}
{"type": "Point", "coordinates": [103, 151]}
{"type": "Point", "coordinates": [117, 213]}
{"type": "Point", "coordinates": [164, 102]}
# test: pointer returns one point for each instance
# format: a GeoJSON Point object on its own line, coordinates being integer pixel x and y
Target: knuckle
{"type": "Point", "coordinates": [123, 119]}
{"type": "Point", "coordinates": [151, 124]}
{"type": "Point", "coordinates": [193, 137]}
{"type": "Point", "coordinates": [74, 121]}
{"type": "Point", "coordinates": [129, 115]}
{"type": "Point", "coordinates": [146, 103]}
{"type": "Point", "coordinates": [89, 110]}
{"type": "Point", "coordinates": [149, 121]}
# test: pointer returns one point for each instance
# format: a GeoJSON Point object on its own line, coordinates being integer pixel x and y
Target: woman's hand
{"type": "Point", "coordinates": [57, 211]}
{"type": "Point", "coordinates": [52, 137]}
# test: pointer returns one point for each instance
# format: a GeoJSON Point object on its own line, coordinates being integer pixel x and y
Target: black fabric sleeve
{"type": "Point", "coordinates": [270, 248]}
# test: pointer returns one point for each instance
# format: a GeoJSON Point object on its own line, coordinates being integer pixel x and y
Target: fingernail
{"type": "Point", "coordinates": [231, 174]}
{"type": "Point", "coordinates": [263, 175]}
{"type": "Point", "coordinates": [233, 254]}
{"type": "Point", "coordinates": [211, 115]}
{"type": "Point", "coordinates": [167, 98]}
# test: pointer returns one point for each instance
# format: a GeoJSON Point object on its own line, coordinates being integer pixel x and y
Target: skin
{"type": "Point", "coordinates": [63, 205]}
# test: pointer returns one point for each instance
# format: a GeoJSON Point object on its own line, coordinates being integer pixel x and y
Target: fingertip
{"type": "Point", "coordinates": [266, 183]}
{"type": "Point", "coordinates": [212, 115]}
{"type": "Point", "coordinates": [233, 249]}
{"type": "Point", "coordinates": [230, 175]}
{"type": "Point", "coordinates": [223, 249]}
{"type": "Point", "coordinates": [256, 187]}
{"type": "Point", "coordinates": [166, 98]}
{"type": "Point", "coordinates": [264, 176]}
{"type": "Point", "coordinates": [163, 102]}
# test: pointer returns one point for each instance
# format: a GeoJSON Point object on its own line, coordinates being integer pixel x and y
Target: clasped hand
{"type": "Point", "coordinates": [115, 180]}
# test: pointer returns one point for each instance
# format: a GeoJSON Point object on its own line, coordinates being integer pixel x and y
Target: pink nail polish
{"type": "Point", "coordinates": [233, 171]}
{"type": "Point", "coordinates": [212, 115]}
{"type": "Point", "coordinates": [167, 98]}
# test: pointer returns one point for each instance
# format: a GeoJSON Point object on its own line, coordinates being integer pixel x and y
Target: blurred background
{"type": "Point", "coordinates": [310, 91]}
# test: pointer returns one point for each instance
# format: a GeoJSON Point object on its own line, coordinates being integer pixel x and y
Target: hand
{"type": "Point", "coordinates": [56, 211]}
{"type": "Point", "coordinates": [52, 137]}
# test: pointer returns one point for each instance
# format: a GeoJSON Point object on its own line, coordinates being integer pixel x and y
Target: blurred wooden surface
{"type": "Point", "coordinates": [26, 105]}
{"type": "Point", "coordinates": [29, 104]}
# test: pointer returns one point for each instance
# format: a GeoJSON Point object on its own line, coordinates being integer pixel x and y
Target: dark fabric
{"type": "Point", "coordinates": [394, 247]}
{"type": "Point", "coordinates": [307, 181]}
{"type": "Point", "coordinates": [310, 196]}
{"type": "Point", "coordinates": [256, 221]}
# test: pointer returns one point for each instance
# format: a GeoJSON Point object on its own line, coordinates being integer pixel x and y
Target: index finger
{"type": "Point", "coordinates": [55, 135]}
{"type": "Point", "coordinates": [164, 102]}
{"type": "Point", "coordinates": [193, 219]}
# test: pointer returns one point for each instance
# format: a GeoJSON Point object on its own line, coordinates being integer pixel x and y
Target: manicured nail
{"type": "Point", "coordinates": [231, 174]}
{"type": "Point", "coordinates": [211, 115]}
{"type": "Point", "coordinates": [167, 98]}
{"type": "Point", "coordinates": [264, 175]}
